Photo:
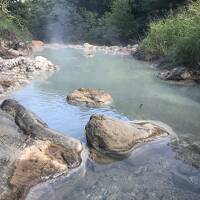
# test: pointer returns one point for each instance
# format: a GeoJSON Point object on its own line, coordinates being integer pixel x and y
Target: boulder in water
{"type": "Point", "coordinates": [89, 97]}
{"type": "Point", "coordinates": [118, 138]}
{"type": "Point", "coordinates": [30, 152]}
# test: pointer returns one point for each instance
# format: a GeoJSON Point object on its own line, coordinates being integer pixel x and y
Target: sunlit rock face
{"type": "Point", "coordinates": [119, 138]}
{"type": "Point", "coordinates": [89, 97]}
{"type": "Point", "coordinates": [30, 152]}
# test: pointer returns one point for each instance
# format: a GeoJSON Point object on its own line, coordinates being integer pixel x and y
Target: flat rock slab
{"type": "Point", "coordinates": [30, 152]}
{"type": "Point", "coordinates": [118, 138]}
{"type": "Point", "coordinates": [89, 97]}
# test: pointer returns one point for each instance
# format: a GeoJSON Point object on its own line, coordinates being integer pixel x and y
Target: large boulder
{"type": "Point", "coordinates": [89, 97]}
{"type": "Point", "coordinates": [30, 152]}
{"type": "Point", "coordinates": [119, 138]}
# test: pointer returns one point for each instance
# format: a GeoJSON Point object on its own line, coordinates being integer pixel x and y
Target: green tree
{"type": "Point", "coordinates": [120, 23]}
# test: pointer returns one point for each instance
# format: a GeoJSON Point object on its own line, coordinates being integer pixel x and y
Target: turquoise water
{"type": "Point", "coordinates": [155, 171]}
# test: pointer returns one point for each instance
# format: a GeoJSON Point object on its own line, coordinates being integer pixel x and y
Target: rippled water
{"type": "Point", "coordinates": [154, 171]}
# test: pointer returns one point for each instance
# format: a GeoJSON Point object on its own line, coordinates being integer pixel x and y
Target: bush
{"type": "Point", "coordinates": [9, 30]}
{"type": "Point", "coordinates": [120, 23]}
{"type": "Point", "coordinates": [176, 37]}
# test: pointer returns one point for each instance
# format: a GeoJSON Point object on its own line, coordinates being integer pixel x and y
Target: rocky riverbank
{"type": "Point", "coordinates": [90, 49]}
{"type": "Point", "coordinates": [17, 67]}
{"type": "Point", "coordinates": [168, 71]}
{"type": "Point", "coordinates": [32, 156]}
{"type": "Point", "coordinates": [14, 47]}
{"type": "Point", "coordinates": [30, 152]}
{"type": "Point", "coordinates": [18, 71]}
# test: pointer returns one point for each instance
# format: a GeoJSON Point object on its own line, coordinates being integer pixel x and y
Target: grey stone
{"type": "Point", "coordinates": [30, 152]}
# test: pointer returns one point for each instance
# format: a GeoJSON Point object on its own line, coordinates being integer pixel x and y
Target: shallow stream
{"type": "Point", "coordinates": [155, 170]}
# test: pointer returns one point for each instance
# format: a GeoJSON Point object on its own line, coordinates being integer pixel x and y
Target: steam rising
{"type": "Point", "coordinates": [61, 23]}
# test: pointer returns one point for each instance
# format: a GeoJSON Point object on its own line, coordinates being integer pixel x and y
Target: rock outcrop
{"type": "Point", "coordinates": [89, 97]}
{"type": "Point", "coordinates": [12, 48]}
{"type": "Point", "coordinates": [118, 138]}
{"type": "Point", "coordinates": [30, 152]}
{"type": "Point", "coordinates": [180, 74]}
{"type": "Point", "coordinates": [167, 70]}
{"type": "Point", "coordinates": [18, 71]}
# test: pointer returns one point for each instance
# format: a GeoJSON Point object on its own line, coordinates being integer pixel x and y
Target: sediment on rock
{"type": "Point", "coordinates": [30, 152]}
{"type": "Point", "coordinates": [118, 138]}
{"type": "Point", "coordinates": [89, 97]}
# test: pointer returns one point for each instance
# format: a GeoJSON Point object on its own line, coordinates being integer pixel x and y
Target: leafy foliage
{"type": "Point", "coordinates": [12, 24]}
{"type": "Point", "coordinates": [121, 22]}
{"type": "Point", "coordinates": [96, 21]}
{"type": "Point", "coordinates": [176, 37]}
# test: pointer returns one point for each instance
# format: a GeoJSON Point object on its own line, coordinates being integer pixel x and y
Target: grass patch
{"type": "Point", "coordinates": [176, 37]}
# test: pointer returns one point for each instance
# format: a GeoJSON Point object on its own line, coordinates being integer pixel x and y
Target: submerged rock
{"type": "Point", "coordinates": [187, 149]}
{"type": "Point", "coordinates": [30, 152]}
{"type": "Point", "coordinates": [118, 138]}
{"type": "Point", "coordinates": [89, 97]}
